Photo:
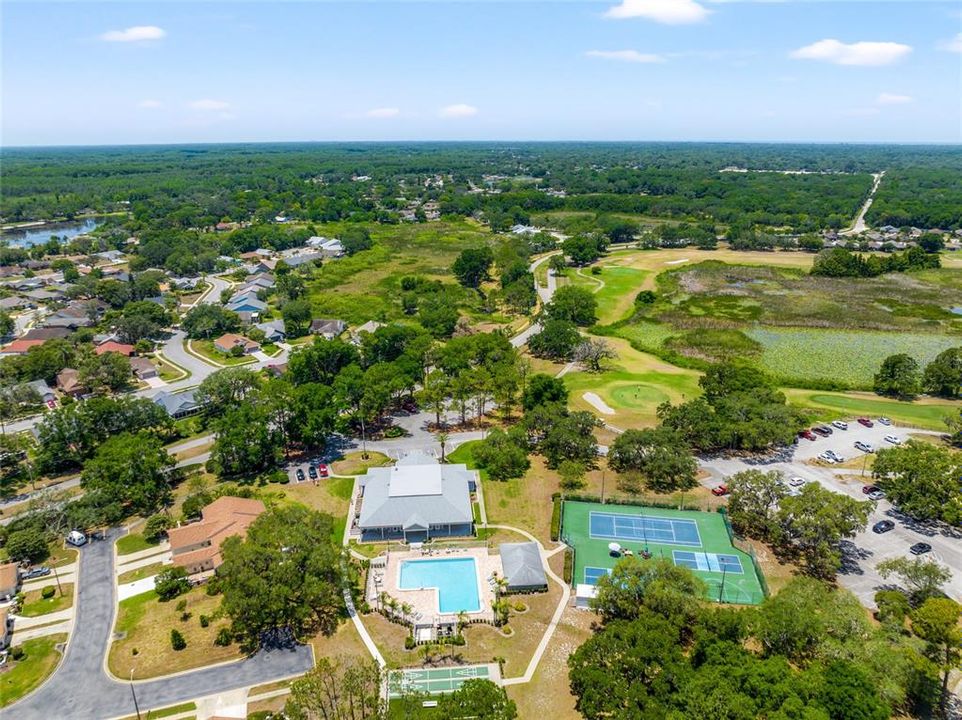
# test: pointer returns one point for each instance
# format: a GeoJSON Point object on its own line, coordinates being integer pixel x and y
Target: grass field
{"type": "Point", "coordinates": [590, 527]}
{"type": "Point", "coordinates": [22, 676]}
{"type": "Point", "coordinates": [133, 542]}
{"type": "Point", "coordinates": [34, 603]}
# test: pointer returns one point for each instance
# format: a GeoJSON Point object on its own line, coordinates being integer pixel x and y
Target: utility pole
{"type": "Point", "coordinates": [602, 487]}
{"type": "Point", "coordinates": [134, 693]}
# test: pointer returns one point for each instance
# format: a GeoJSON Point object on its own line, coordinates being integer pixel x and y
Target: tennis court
{"type": "Point", "coordinates": [433, 680]}
{"type": "Point", "coordinates": [692, 539]}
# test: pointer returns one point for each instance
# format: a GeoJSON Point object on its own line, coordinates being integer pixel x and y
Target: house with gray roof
{"type": "Point", "coordinates": [177, 405]}
{"type": "Point", "coordinates": [417, 499]}
{"type": "Point", "coordinates": [247, 303]}
{"type": "Point", "coordinates": [523, 568]}
{"type": "Point", "coordinates": [274, 330]}
{"type": "Point", "coordinates": [326, 327]}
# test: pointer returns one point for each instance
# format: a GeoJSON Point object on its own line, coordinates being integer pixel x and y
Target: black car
{"type": "Point", "coordinates": [299, 475]}
{"type": "Point", "coordinates": [883, 526]}
{"type": "Point", "coordinates": [920, 548]}
{"type": "Point", "coordinates": [822, 430]}
{"type": "Point", "coordinates": [312, 472]}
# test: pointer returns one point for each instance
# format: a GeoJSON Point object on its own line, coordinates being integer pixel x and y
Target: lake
{"type": "Point", "coordinates": [28, 237]}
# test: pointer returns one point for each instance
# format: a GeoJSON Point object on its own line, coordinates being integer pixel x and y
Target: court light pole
{"type": "Point", "coordinates": [721, 590]}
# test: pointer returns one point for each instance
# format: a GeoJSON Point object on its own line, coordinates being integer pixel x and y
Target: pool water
{"type": "Point", "coordinates": [455, 578]}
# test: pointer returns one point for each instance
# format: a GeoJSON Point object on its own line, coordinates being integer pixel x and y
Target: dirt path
{"type": "Point", "coordinates": [859, 224]}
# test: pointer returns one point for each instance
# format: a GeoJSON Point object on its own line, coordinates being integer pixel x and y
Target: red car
{"type": "Point", "coordinates": [866, 422]}
{"type": "Point", "coordinates": [720, 490]}
{"type": "Point", "coordinates": [322, 470]}
{"type": "Point", "coordinates": [869, 489]}
{"type": "Point", "coordinates": [807, 434]}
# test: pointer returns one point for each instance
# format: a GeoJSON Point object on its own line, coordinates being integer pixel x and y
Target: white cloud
{"type": "Point", "coordinates": [383, 112]}
{"type": "Point", "coordinates": [668, 12]}
{"type": "Point", "coordinates": [460, 110]}
{"type": "Point", "coordinates": [150, 104]}
{"type": "Point", "coordinates": [953, 45]}
{"type": "Point", "coordinates": [632, 56]}
{"type": "Point", "coordinates": [137, 33]}
{"type": "Point", "coordinates": [208, 105]}
{"type": "Point", "coordinates": [859, 53]}
{"type": "Point", "coordinates": [892, 99]}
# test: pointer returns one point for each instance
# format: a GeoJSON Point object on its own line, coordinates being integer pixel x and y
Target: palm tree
{"type": "Point", "coordinates": [406, 610]}
{"type": "Point", "coordinates": [442, 438]}
{"type": "Point", "coordinates": [462, 621]}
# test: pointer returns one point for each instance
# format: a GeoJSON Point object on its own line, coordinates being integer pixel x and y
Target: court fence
{"type": "Point", "coordinates": [739, 542]}
{"type": "Point", "coordinates": [637, 501]}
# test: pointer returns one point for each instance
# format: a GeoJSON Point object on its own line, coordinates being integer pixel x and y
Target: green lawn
{"type": "Point", "coordinates": [133, 542]}
{"type": "Point", "coordinates": [22, 676]}
{"type": "Point", "coordinates": [35, 604]}
{"type": "Point", "coordinates": [925, 413]}
{"type": "Point", "coordinates": [140, 573]}
{"type": "Point", "coordinates": [205, 348]}
{"type": "Point", "coordinates": [615, 289]}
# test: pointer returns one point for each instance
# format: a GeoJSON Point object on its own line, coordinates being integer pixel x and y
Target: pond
{"type": "Point", "coordinates": [40, 234]}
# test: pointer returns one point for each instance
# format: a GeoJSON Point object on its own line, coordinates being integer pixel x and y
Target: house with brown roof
{"type": "Point", "coordinates": [196, 547]}
{"type": "Point", "coordinates": [9, 580]}
{"type": "Point", "coordinates": [20, 347]}
{"type": "Point", "coordinates": [227, 342]}
{"type": "Point", "coordinates": [68, 382]}
{"type": "Point", "coordinates": [6, 627]}
{"type": "Point", "coordinates": [114, 346]}
{"type": "Point", "coordinates": [142, 368]}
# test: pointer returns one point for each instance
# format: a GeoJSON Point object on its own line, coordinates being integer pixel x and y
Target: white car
{"type": "Point", "coordinates": [884, 421]}
{"type": "Point", "coordinates": [893, 439]}
{"type": "Point", "coordinates": [827, 457]}
{"type": "Point", "coordinates": [796, 482]}
{"type": "Point", "coordinates": [864, 446]}
{"type": "Point", "coordinates": [840, 424]}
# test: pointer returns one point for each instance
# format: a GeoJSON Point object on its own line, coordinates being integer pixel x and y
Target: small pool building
{"type": "Point", "coordinates": [415, 500]}
{"type": "Point", "coordinates": [523, 569]}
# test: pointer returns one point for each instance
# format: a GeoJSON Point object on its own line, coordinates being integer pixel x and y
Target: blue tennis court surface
{"type": "Point", "coordinates": [710, 562]}
{"type": "Point", "coordinates": [644, 528]}
{"type": "Point", "coordinates": [592, 574]}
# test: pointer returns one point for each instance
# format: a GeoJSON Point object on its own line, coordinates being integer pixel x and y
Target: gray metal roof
{"type": "Point", "coordinates": [175, 403]}
{"type": "Point", "coordinates": [420, 504]}
{"type": "Point", "coordinates": [522, 565]}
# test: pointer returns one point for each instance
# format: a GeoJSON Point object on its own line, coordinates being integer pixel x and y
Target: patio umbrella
{"type": "Point", "coordinates": [614, 547]}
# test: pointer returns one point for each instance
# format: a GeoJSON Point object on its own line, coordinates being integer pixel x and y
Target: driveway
{"type": "Point", "coordinates": [863, 552]}
{"type": "Point", "coordinates": [81, 689]}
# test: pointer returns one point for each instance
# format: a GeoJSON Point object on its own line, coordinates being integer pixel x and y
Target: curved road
{"type": "Point", "coordinates": [80, 687]}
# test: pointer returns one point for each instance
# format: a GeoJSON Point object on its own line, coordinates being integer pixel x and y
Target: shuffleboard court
{"type": "Point", "coordinates": [646, 528]}
{"type": "Point", "coordinates": [699, 541]}
{"type": "Point", "coordinates": [434, 680]}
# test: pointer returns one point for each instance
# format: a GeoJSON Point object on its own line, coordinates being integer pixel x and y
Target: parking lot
{"type": "Point", "coordinates": [867, 549]}
{"type": "Point", "coordinates": [321, 470]}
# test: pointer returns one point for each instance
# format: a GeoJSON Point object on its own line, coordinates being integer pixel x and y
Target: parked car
{"type": "Point", "coordinates": [832, 453]}
{"type": "Point", "coordinates": [884, 421]}
{"type": "Point", "coordinates": [35, 572]}
{"type": "Point", "coordinates": [876, 495]}
{"type": "Point", "coordinates": [807, 434]}
{"type": "Point", "coordinates": [796, 482]}
{"type": "Point", "coordinates": [719, 490]}
{"type": "Point", "coordinates": [828, 457]}
{"type": "Point", "coordinates": [822, 430]}
{"type": "Point", "coordinates": [76, 538]}
{"type": "Point", "coordinates": [893, 439]}
{"type": "Point", "coordinates": [299, 474]}
{"type": "Point", "coordinates": [840, 424]}
{"type": "Point", "coordinates": [866, 489]}
{"type": "Point", "coordinates": [882, 526]}
{"type": "Point", "coordinates": [864, 446]}
{"type": "Point", "coordinates": [866, 422]}
{"type": "Point", "coordinates": [312, 472]}
{"type": "Point", "coordinates": [920, 548]}
{"type": "Point", "coordinates": [322, 469]}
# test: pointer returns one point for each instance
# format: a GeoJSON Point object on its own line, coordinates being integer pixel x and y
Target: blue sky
{"type": "Point", "coordinates": [141, 72]}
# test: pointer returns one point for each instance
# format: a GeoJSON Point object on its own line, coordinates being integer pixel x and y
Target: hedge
{"type": "Point", "coordinates": [556, 519]}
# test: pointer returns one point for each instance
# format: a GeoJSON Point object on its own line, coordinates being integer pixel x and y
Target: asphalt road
{"type": "Point", "coordinates": [863, 553]}
{"type": "Point", "coordinates": [81, 689]}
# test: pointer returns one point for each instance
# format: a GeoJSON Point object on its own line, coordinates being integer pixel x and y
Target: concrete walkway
{"type": "Point", "coordinates": [41, 631]}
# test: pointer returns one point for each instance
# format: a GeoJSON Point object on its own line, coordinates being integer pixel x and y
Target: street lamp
{"type": "Point", "coordinates": [134, 693]}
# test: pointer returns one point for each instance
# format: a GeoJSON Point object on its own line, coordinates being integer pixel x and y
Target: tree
{"type": "Point", "coordinates": [593, 352]}
{"type": "Point", "coordinates": [177, 641]}
{"type": "Point", "coordinates": [27, 546]}
{"type": "Point", "coordinates": [575, 304]}
{"type": "Point", "coordinates": [225, 389]}
{"type": "Point", "coordinates": [898, 377]}
{"type": "Point", "coordinates": [931, 242]}
{"type": "Point", "coordinates": [315, 414]}
{"type": "Point", "coordinates": [815, 521]}
{"type": "Point", "coordinates": [472, 266]}
{"type": "Point", "coordinates": [132, 469]}
{"type": "Point", "coordinates": [501, 456]}
{"type": "Point", "coordinates": [943, 376]}
{"type": "Point", "coordinates": [583, 249]}
{"type": "Point", "coordinates": [321, 361]}
{"type": "Point", "coordinates": [207, 320]}
{"type": "Point", "coordinates": [356, 238]}
{"type": "Point", "coordinates": [636, 585]}
{"type": "Point", "coordinates": [477, 698]}
{"type": "Point", "coordinates": [542, 389]}
{"type": "Point", "coordinates": [109, 370]}
{"type": "Point", "coordinates": [569, 436]}
{"type": "Point", "coordinates": [660, 454]}
{"type": "Point", "coordinates": [922, 578]}
{"type": "Point", "coordinates": [285, 576]}
{"type": "Point", "coordinates": [156, 527]}
{"type": "Point", "coordinates": [6, 324]}
{"type": "Point", "coordinates": [557, 264]}
{"type": "Point", "coordinates": [937, 622]}
{"type": "Point", "coordinates": [754, 500]}
{"type": "Point", "coordinates": [849, 694]}
{"type": "Point", "coordinates": [171, 582]}
{"type": "Point", "coordinates": [338, 689]}
{"type": "Point", "coordinates": [572, 475]}
{"type": "Point", "coordinates": [245, 442]}
{"type": "Point", "coordinates": [557, 340]}
{"type": "Point", "coordinates": [922, 480]}
{"type": "Point", "coordinates": [434, 394]}
{"type": "Point", "coordinates": [297, 317]}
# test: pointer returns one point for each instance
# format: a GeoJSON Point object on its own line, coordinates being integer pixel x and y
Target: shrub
{"type": "Point", "coordinates": [892, 606]}
{"type": "Point", "coordinates": [156, 528]}
{"type": "Point", "coordinates": [569, 565]}
{"type": "Point", "coordinates": [224, 637]}
{"type": "Point", "coordinates": [185, 616]}
{"type": "Point", "coordinates": [48, 592]}
{"type": "Point", "coordinates": [177, 641]}
{"type": "Point", "coordinates": [135, 651]}
{"type": "Point", "coordinates": [182, 605]}
{"type": "Point", "coordinates": [409, 643]}
{"type": "Point", "coordinates": [645, 297]}
{"type": "Point", "coordinates": [204, 621]}
{"type": "Point", "coordinates": [556, 519]}
{"type": "Point", "coordinates": [17, 652]}
{"type": "Point", "coordinates": [520, 606]}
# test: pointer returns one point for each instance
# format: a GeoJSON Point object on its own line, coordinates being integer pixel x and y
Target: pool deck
{"type": "Point", "coordinates": [424, 602]}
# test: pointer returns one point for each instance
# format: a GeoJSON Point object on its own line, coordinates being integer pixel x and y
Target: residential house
{"type": "Point", "coordinates": [111, 256]}
{"type": "Point", "coordinates": [43, 390]}
{"type": "Point", "coordinates": [227, 342]}
{"type": "Point", "coordinates": [417, 499]}
{"type": "Point", "coordinates": [225, 226]}
{"type": "Point", "coordinates": [303, 258]}
{"type": "Point", "coordinates": [113, 346]}
{"type": "Point", "coordinates": [264, 265]}
{"type": "Point", "coordinates": [142, 368]}
{"type": "Point", "coordinates": [184, 283]}
{"type": "Point", "coordinates": [177, 405]}
{"type": "Point", "coordinates": [68, 382]}
{"type": "Point", "coordinates": [43, 295]}
{"type": "Point", "coordinates": [367, 328]}
{"type": "Point", "coordinates": [328, 247]}
{"type": "Point", "coordinates": [20, 347]}
{"type": "Point", "coordinates": [523, 230]}
{"type": "Point", "coordinates": [9, 580]}
{"type": "Point", "coordinates": [523, 568]}
{"type": "Point", "coordinates": [327, 328]}
{"type": "Point", "coordinates": [196, 547]}
{"type": "Point", "coordinates": [46, 333]}
{"type": "Point", "coordinates": [8, 304]}
{"type": "Point", "coordinates": [6, 627]}
{"type": "Point", "coordinates": [247, 304]}
{"type": "Point", "coordinates": [265, 280]}
{"type": "Point", "coordinates": [274, 330]}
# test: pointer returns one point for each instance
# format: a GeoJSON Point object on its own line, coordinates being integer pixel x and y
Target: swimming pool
{"type": "Point", "coordinates": [456, 580]}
